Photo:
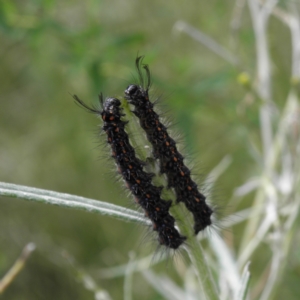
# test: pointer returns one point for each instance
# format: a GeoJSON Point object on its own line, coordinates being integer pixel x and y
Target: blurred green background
{"type": "Point", "coordinates": [52, 49]}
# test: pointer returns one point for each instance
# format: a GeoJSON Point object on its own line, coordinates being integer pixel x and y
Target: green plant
{"type": "Point", "coordinates": [254, 125]}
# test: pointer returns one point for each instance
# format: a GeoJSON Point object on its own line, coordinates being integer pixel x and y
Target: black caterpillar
{"type": "Point", "coordinates": [131, 169]}
{"type": "Point", "coordinates": [164, 149]}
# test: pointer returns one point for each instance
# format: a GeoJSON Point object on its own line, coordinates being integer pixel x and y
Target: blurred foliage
{"type": "Point", "coordinates": [52, 49]}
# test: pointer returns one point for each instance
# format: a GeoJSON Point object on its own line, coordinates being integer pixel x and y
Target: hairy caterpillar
{"type": "Point", "coordinates": [164, 149]}
{"type": "Point", "coordinates": [131, 170]}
